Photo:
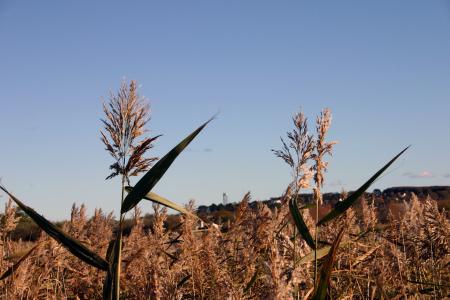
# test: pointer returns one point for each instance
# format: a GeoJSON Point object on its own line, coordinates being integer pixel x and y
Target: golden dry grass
{"type": "Point", "coordinates": [406, 258]}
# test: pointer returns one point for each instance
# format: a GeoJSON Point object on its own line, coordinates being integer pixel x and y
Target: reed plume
{"type": "Point", "coordinates": [322, 148]}
{"type": "Point", "coordinates": [297, 152]}
{"type": "Point", "coordinates": [126, 115]}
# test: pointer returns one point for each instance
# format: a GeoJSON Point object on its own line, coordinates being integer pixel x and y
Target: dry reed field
{"type": "Point", "coordinates": [290, 252]}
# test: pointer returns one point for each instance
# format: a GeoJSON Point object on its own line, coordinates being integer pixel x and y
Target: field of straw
{"type": "Point", "coordinates": [254, 259]}
{"type": "Point", "coordinates": [293, 251]}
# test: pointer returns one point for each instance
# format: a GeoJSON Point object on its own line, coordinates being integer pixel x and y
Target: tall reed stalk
{"type": "Point", "coordinates": [297, 153]}
{"type": "Point", "coordinates": [126, 115]}
{"type": "Point", "coordinates": [322, 148]}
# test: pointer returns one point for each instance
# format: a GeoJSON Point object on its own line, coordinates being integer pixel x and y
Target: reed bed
{"type": "Point", "coordinates": [407, 258]}
{"type": "Point", "coordinates": [290, 252]}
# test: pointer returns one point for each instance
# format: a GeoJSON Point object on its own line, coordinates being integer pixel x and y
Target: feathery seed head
{"type": "Point", "coordinates": [126, 115]}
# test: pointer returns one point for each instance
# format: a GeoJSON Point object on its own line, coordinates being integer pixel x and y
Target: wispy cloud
{"type": "Point", "coordinates": [447, 175]}
{"type": "Point", "coordinates": [423, 174]}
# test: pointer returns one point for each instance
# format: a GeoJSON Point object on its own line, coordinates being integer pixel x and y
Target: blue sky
{"type": "Point", "coordinates": [383, 67]}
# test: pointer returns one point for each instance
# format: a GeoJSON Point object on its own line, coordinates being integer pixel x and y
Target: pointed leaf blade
{"type": "Point", "coordinates": [341, 207]}
{"type": "Point", "coordinates": [149, 180]}
{"type": "Point", "coordinates": [163, 201]}
{"type": "Point", "coordinates": [71, 244]}
{"type": "Point", "coordinates": [310, 256]}
{"type": "Point", "coordinates": [300, 223]}
{"type": "Point", "coordinates": [327, 268]}
{"type": "Point", "coordinates": [14, 267]}
{"type": "Point", "coordinates": [322, 252]}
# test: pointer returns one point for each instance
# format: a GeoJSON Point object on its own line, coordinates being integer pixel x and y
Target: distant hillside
{"type": "Point", "coordinates": [435, 192]}
{"type": "Point", "coordinates": [389, 202]}
{"type": "Point", "coordinates": [439, 193]}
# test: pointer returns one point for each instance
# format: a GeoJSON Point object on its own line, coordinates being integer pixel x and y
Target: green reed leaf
{"type": "Point", "coordinates": [108, 286]}
{"type": "Point", "coordinates": [322, 252]}
{"type": "Point", "coordinates": [310, 256]}
{"type": "Point", "coordinates": [111, 285]}
{"type": "Point", "coordinates": [300, 223]}
{"type": "Point", "coordinates": [341, 207]}
{"type": "Point", "coordinates": [327, 268]}
{"type": "Point", "coordinates": [14, 267]}
{"type": "Point", "coordinates": [149, 180]}
{"type": "Point", "coordinates": [163, 201]}
{"type": "Point", "coordinates": [71, 244]}
{"type": "Point", "coordinates": [109, 278]}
